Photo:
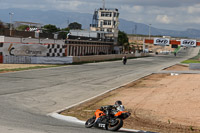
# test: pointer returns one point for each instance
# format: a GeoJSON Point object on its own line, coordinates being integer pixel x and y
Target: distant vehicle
{"type": "Point", "coordinates": [150, 51]}
{"type": "Point", "coordinates": [165, 52]}
{"type": "Point", "coordinates": [124, 60]}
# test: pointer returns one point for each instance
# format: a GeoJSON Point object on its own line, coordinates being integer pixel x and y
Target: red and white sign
{"type": "Point", "coordinates": [188, 43]}
{"type": "Point", "coordinates": [161, 41]}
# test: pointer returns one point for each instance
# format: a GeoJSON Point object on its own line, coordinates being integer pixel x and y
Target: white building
{"type": "Point", "coordinates": [88, 33]}
{"type": "Point", "coordinates": [106, 20]}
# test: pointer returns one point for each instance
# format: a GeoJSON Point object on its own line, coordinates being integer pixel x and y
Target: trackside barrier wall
{"type": "Point", "coordinates": [36, 60]}
{"type": "Point", "coordinates": [194, 66]}
{"type": "Point", "coordinates": [51, 60]}
{"type": "Point", "coordinates": [16, 59]}
{"type": "Point", "coordinates": [64, 60]}
{"type": "Point", "coordinates": [175, 42]}
{"type": "Point", "coordinates": [77, 59]}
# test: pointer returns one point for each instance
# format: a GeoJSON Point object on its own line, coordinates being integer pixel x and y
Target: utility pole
{"type": "Point", "coordinates": [132, 31]}
{"type": "Point", "coordinates": [103, 4]}
{"type": "Point", "coordinates": [135, 29]}
{"type": "Point", "coordinates": [68, 23]}
{"type": "Point", "coordinates": [11, 23]}
{"type": "Point", "coordinates": [149, 31]}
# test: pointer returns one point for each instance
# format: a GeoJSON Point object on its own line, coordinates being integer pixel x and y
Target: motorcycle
{"type": "Point", "coordinates": [108, 119]}
{"type": "Point", "coordinates": [124, 60]}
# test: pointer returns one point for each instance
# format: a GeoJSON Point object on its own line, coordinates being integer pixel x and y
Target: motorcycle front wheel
{"type": "Point", "coordinates": [90, 122]}
{"type": "Point", "coordinates": [124, 62]}
{"type": "Point", "coordinates": [115, 125]}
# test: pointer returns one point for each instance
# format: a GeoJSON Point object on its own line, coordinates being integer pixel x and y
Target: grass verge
{"type": "Point", "coordinates": [190, 61]}
{"type": "Point", "coordinates": [195, 59]}
{"type": "Point", "coordinates": [27, 68]}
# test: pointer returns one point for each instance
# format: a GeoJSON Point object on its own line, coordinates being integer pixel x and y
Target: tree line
{"type": "Point", "coordinates": [49, 28]}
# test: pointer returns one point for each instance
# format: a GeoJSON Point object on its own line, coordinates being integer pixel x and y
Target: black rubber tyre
{"type": "Point", "coordinates": [118, 124]}
{"type": "Point", "coordinates": [89, 123]}
{"type": "Point", "coordinates": [124, 62]}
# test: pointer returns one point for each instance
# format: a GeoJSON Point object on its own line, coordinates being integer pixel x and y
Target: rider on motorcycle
{"type": "Point", "coordinates": [109, 117]}
{"type": "Point", "coordinates": [119, 106]}
{"type": "Point", "coordinates": [113, 109]}
{"type": "Point", "coordinates": [124, 60]}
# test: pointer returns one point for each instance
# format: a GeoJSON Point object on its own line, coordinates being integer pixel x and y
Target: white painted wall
{"type": "Point", "coordinates": [36, 60]}
{"type": "Point", "coordinates": [30, 40]}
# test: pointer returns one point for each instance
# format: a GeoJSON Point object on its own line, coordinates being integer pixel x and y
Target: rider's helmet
{"type": "Point", "coordinates": [118, 103]}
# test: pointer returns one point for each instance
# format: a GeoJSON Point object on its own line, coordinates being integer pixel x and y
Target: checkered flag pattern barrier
{"type": "Point", "coordinates": [56, 50]}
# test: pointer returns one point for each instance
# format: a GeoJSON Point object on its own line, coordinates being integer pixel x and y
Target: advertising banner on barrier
{"type": "Point", "coordinates": [161, 41]}
{"type": "Point", "coordinates": [188, 43]}
{"type": "Point", "coordinates": [20, 49]}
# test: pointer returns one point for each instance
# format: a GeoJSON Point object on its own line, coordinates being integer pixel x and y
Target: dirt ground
{"type": "Point", "coordinates": [178, 67]}
{"type": "Point", "coordinates": [158, 103]}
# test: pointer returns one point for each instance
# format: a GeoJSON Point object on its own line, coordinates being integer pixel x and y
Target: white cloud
{"type": "Point", "coordinates": [132, 9]}
{"type": "Point", "coordinates": [138, 8]}
{"type": "Point", "coordinates": [194, 9]}
{"type": "Point", "coordinates": [71, 5]}
{"type": "Point", "coordinates": [163, 19]}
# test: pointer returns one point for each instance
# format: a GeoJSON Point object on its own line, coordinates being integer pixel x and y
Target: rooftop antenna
{"type": "Point", "coordinates": [103, 4]}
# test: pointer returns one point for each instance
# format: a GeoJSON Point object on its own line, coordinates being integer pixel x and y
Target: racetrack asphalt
{"type": "Point", "coordinates": [27, 97]}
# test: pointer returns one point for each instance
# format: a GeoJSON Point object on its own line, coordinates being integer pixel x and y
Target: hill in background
{"type": "Point", "coordinates": [62, 19]}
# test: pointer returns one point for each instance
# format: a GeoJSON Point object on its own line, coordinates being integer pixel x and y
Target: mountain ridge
{"type": "Point", "coordinates": [62, 19]}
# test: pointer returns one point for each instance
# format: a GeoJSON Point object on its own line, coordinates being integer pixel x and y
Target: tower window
{"type": "Point", "coordinates": [107, 22]}
{"type": "Point", "coordinates": [106, 14]}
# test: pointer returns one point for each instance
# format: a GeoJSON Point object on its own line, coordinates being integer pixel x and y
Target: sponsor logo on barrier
{"type": "Point", "coordinates": [10, 51]}
{"type": "Point", "coordinates": [161, 41]}
{"type": "Point", "coordinates": [13, 52]}
{"type": "Point", "coordinates": [30, 52]}
{"type": "Point", "coordinates": [23, 50]}
{"type": "Point", "coordinates": [188, 43]}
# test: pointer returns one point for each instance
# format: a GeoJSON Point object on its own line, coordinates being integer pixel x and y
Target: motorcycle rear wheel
{"type": "Point", "coordinates": [89, 123]}
{"type": "Point", "coordinates": [116, 125]}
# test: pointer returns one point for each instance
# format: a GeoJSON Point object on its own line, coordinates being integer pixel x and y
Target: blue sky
{"type": "Point", "coordinates": [165, 14]}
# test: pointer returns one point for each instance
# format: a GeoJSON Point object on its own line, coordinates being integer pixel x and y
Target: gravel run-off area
{"type": "Point", "coordinates": [158, 102]}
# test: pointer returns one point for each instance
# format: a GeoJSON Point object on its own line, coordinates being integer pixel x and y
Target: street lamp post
{"type": "Point", "coordinates": [11, 14]}
{"type": "Point", "coordinates": [149, 31]}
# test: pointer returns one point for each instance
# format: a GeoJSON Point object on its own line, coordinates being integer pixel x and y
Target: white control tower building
{"type": "Point", "coordinates": [106, 20]}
